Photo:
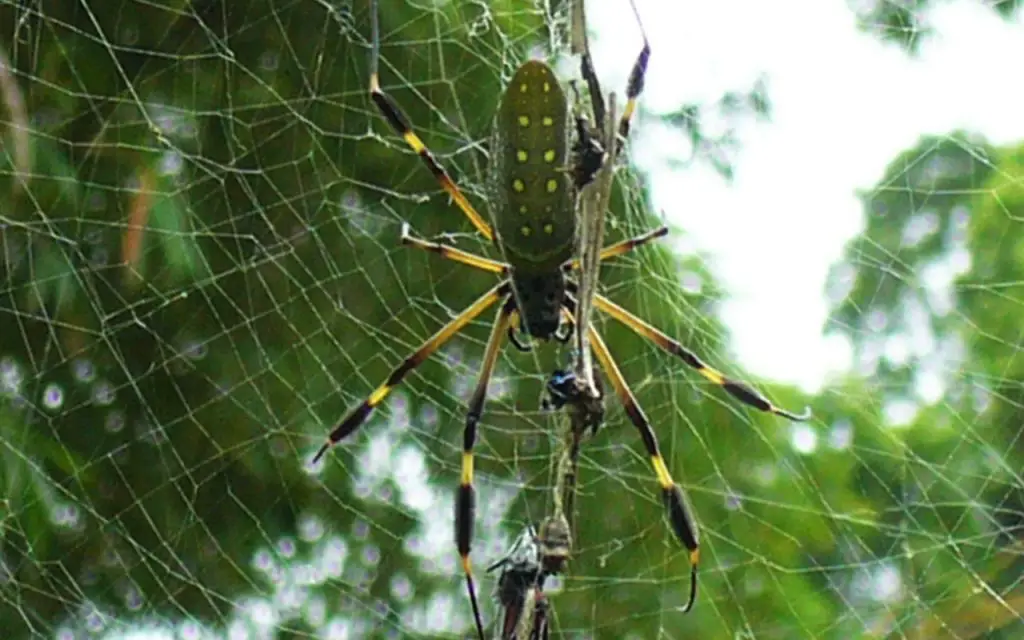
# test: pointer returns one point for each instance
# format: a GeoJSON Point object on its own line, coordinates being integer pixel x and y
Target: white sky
{"type": "Point", "coordinates": [844, 106]}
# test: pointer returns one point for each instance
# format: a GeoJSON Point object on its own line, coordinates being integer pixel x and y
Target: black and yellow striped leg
{"type": "Point", "coordinates": [622, 248]}
{"type": "Point", "coordinates": [471, 259]}
{"type": "Point", "coordinates": [400, 123]}
{"type": "Point", "coordinates": [452, 253]}
{"type": "Point", "coordinates": [465, 499]}
{"type": "Point", "coordinates": [455, 254]}
{"type": "Point", "coordinates": [581, 45]}
{"type": "Point", "coordinates": [629, 244]}
{"type": "Point", "coordinates": [739, 390]}
{"type": "Point", "coordinates": [359, 415]}
{"type": "Point", "coordinates": [672, 494]}
{"type": "Point", "coordinates": [633, 88]}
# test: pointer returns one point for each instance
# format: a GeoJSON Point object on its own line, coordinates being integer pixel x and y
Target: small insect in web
{"type": "Point", "coordinates": [536, 556]}
{"type": "Point", "coordinates": [530, 560]}
{"type": "Point", "coordinates": [539, 165]}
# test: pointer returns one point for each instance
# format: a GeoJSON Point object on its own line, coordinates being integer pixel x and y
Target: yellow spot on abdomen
{"type": "Point", "coordinates": [522, 156]}
{"type": "Point", "coordinates": [547, 87]}
{"type": "Point", "coordinates": [549, 228]}
{"type": "Point", "coordinates": [547, 121]}
{"type": "Point", "coordinates": [552, 185]}
{"type": "Point", "coordinates": [523, 209]}
{"type": "Point", "coordinates": [523, 88]}
{"type": "Point", "coordinates": [524, 121]}
{"type": "Point", "coordinates": [549, 155]}
{"type": "Point", "coordinates": [518, 185]}
{"type": "Point", "coordinates": [525, 230]}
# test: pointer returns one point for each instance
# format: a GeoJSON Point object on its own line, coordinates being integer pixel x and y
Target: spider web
{"type": "Point", "coordinates": [202, 274]}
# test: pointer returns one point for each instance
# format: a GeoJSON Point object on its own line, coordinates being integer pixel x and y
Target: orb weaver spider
{"type": "Point", "coordinates": [534, 180]}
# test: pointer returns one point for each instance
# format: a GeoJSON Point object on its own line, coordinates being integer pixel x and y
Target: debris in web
{"type": "Point", "coordinates": [587, 408]}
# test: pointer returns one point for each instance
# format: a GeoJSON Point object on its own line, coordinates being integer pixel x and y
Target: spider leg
{"type": "Point", "coordinates": [513, 337]}
{"type": "Point", "coordinates": [465, 499]}
{"type": "Point", "coordinates": [672, 494]}
{"type": "Point", "coordinates": [465, 257]}
{"type": "Point", "coordinates": [739, 390]}
{"type": "Point", "coordinates": [635, 85]}
{"type": "Point", "coordinates": [401, 125]}
{"type": "Point", "coordinates": [452, 253]}
{"type": "Point", "coordinates": [593, 87]}
{"type": "Point", "coordinates": [358, 416]}
{"type": "Point", "coordinates": [515, 333]}
{"type": "Point", "coordinates": [622, 248]}
{"type": "Point", "coordinates": [581, 45]}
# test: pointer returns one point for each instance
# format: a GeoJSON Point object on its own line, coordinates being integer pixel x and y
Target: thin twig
{"type": "Point", "coordinates": [595, 198]}
{"type": "Point", "coordinates": [587, 409]}
{"type": "Point", "coordinates": [591, 206]}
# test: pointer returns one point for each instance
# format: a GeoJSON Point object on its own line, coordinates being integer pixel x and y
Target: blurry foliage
{"type": "Point", "coordinates": [719, 150]}
{"type": "Point", "coordinates": [906, 22]}
{"type": "Point", "coordinates": [928, 296]}
{"type": "Point", "coordinates": [916, 219]}
{"type": "Point", "coordinates": [199, 209]}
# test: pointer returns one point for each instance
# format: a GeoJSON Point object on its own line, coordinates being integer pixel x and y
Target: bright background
{"type": "Point", "coordinates": [824, 86]}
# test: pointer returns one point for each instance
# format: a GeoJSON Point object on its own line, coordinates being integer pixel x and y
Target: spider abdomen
{"type": "Point", "coordinates": [531, 194]}
{"type": "Point", "coordinates": [530, 185]}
